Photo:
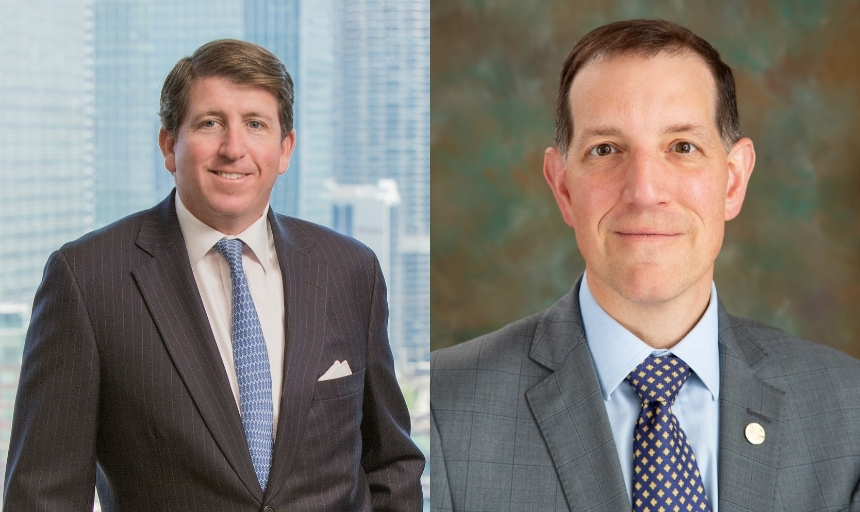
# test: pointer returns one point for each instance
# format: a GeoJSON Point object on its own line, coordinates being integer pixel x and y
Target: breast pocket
{"type": "Point", "coordinates": [340, 387]}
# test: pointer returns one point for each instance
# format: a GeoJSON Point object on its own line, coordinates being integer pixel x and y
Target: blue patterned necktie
{"type": "Point", "coordinates": [665, 474]}
{"type": "Point", "coordinates": [252, 364]}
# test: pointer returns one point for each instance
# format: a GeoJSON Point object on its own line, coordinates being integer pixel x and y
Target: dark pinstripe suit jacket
{"type": "Point", "coordinates": [518, 421]}
{"type": "Point", "coordinates": [122, 382]}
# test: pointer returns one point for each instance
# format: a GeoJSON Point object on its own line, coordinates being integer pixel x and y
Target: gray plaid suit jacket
{"type": "Point", "coordinates": [122, 383]}
{"type": "Point", "coordinates": [518, 421]}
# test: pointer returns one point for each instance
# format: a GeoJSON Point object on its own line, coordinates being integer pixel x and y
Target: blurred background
{"type": "Point", "coordinates": [500, 250]}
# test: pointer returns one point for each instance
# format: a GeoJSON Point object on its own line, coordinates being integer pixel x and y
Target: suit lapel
{"type": "Point", "coordinates": [568, 407]}
{"type": "Point", "coordinates": [747, 472]}
{"type": "Point", "coordinates": [305, 302]}
{"type": "Point", "coordinates": [569, 410]}
{"type": "Point", "coordinates": [168, 287]}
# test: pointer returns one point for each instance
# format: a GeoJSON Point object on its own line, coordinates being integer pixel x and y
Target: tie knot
{"type": "Point", "coordinates": [658, 379]}
{"type": "Point", "coordinates": [232, 252]}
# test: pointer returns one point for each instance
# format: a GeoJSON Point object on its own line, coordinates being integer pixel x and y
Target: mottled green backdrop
{"type": "Point", "coordinates": [499, 248]}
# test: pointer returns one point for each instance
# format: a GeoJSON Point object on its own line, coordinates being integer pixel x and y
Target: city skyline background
{"type": "Point", "coordinates": [79, 88]}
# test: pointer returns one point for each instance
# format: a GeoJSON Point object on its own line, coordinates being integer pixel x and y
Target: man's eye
{"type": "Point", "coordinates": [209, 123]}
{"type": "Point", "coordinates": [602, 150]}
{"type": "Point", "coordinates": [255, 125]}
{"type": "Point", "coordinates": [684, 147]}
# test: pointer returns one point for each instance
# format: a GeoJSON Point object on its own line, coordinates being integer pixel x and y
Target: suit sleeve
{"type": "Point", "coordinates": [391, 461]}
{"type": "Point", "coordinates": [52, 461]}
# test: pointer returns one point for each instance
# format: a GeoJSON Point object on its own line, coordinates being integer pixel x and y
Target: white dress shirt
{"type": "Point", "coordinates": [212, 274]}
{"type": "Point", "coordinates": [616, 352]}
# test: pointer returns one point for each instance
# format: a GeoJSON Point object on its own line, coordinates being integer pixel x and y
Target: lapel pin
{"type": "Point", "coordinates": [754, 433]}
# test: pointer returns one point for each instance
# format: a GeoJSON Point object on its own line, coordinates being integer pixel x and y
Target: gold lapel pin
{"type": "Point", "coordinates": [754, 433]}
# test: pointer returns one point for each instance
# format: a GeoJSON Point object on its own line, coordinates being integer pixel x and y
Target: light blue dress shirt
{"type": "Point", "coordinates": [616, 352]}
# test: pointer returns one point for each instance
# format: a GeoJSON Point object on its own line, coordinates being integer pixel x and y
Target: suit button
{"type": "Point", "coordinates": [268, 509]}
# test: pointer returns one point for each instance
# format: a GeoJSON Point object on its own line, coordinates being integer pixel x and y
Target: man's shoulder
{"type": "Point", "coordinates": [490, 351]}
{"type": "Point", "coordinates": [320, 239]}
{"type": "Point", "coordinates": [787, 355]}
{"type": "Point", "coordinates": [159, 225]}
{"type": "Point", "coordinates": [115, 236]}
{"type": "Point", "coordinates": [495, 365]}
{"type": "Point", "coordinates": [529, 349]}
{"type": "Point", "coordinates": [344, 260]}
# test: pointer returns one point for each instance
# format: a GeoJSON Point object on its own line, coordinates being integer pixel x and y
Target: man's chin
{"type": "Point", "coordinates": [649, 286]}
{"type": "Point", "coordinates": [649, 295]}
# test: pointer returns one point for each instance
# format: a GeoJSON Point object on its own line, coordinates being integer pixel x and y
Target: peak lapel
{"type": "Point", "coordinates": [568, 407]}
{"type": "Point", "coordinates": [747, 472]}
{"type": "Point", "coordinates": [170, 291]}
{"type": "Point", "coordinates": [305, 302]}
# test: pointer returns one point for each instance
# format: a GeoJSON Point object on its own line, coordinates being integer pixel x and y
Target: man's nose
{"type": "Point", "coordinates": [232, 144]}
{"type": "Point", "coordinates": [647, 179]}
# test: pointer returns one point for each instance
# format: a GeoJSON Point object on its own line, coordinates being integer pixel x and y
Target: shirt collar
{"type": "Point", "coordinates": [616, 351]}
{"type": "Point", "coordinates": [199, 237]}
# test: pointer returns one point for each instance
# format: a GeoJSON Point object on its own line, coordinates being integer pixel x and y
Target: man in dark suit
{"type": "Point", "coordinates": [637, 389]}
{"type": "Point", "coordinates": [210, 354]}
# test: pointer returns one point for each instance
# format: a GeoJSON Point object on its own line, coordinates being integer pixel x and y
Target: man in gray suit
{"type": "Point", "coordinates": [210, 354]}
{"type": "Point", "coordinates": [637, 389]}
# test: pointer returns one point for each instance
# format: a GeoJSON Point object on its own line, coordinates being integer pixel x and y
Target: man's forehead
{"type": "Point", "coordinates": [214, 90]}
{"type": "Point", "coordinates": [610, 62]}
{"type": "Point", "coordinates": [670, 89]}
{"type": "Point", "coordinates": [230, 81]}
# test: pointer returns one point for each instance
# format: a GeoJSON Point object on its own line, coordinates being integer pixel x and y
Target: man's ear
{"type": "Point", "coordinates": [287, 147]}
{"type": "Point", "coordinates": [555, 172]}
{"type": "Point", "coordinates": [741, 161]}
{"type": "Point", "coordinates": [167, 143]}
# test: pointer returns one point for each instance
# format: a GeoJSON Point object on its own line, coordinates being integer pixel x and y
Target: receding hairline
{"type": "Point", "coordinates": [671, 52]}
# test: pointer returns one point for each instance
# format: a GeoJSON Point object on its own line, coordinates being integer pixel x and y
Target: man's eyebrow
{"type": "Point", "coordinates": [582, 139]}
{"type": "Point", "coordinates": [695, 129]}
{"type": "Point", "coordinates": [609, 131]}
{"type": "Point", "coordinates": [220, 113]}
{"type": "Point", "coordinates": [601, 132]}
{"type": "Point", "coordinates": [256, 114]}
{"type": "Point", "coordinates": [208, 113]}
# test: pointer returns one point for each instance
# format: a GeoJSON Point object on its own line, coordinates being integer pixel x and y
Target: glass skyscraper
{"type": "Point", "coordinates": [382, 130]}
{"type": "Point", "coordinates": [46, 136]}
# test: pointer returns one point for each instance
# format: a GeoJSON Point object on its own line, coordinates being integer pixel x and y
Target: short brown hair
{"type": "Point", "coordinates": [238, 61]}
{"type": "Point", "coordinates": [646, 38]}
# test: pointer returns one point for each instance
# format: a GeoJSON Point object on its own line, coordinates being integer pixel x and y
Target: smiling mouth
{"type": "Point", "coordinates": [230, 175]}
{"type": "Point", "coordinates": [646, 235]}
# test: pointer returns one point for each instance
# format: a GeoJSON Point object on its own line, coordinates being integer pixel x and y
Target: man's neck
{"type": "Point", "coordinates": [225, 224]}
{"type": "Point", "coordinates": [660, 324]}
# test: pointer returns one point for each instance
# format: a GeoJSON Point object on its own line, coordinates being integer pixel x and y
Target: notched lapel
{"type": "Point", "coordinates": [747, 472]}
{"type": "Point", "coordinates": [170, 292]}
{"type": "Point", "coordinates": [569, 410]}
{"type": "Point", "coordinates": [305, 301]}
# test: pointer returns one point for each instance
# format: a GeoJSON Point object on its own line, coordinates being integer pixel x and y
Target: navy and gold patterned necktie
{"type": "Point", "coordinates": [666, 477]}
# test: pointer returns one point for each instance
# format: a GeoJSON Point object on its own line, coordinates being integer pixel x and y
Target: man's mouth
{"type": "Point", "coordinates": [646, 235]}
{"type": "Point", "coordinates": [230, 175]}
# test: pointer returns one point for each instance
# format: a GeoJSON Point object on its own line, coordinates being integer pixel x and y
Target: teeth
{"type": "Point", "coordinates": [229, 175]}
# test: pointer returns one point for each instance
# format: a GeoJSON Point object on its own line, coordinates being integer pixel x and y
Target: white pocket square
{"type": "Point", "coordinates": [336, 371]}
